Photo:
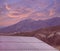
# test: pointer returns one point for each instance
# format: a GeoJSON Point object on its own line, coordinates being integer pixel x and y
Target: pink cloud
{"type": "Point", "coordinates": [41, 14]}
{"type": "Point", "coordinates": [21, 13]}
{"type": "Point", "coordinates": [7, 6]}
{"type": "Point", "coordinates": [52, 12]}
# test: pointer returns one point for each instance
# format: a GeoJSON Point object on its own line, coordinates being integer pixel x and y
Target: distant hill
{"type": "Point", "coordinates": [31, 25]}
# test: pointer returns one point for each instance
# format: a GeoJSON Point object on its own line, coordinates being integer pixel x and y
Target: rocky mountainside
{"type": "Point", "coordinates": [50, 35]}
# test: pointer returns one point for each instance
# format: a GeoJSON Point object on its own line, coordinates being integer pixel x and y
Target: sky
{"type": "Point", "coordinates": [13, 11]}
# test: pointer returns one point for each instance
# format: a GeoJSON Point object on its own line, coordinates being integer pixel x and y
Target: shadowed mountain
{"type": "Point", "coordinates": [31, 25]}
{"type": "Point", "coordinates": [50, 35]}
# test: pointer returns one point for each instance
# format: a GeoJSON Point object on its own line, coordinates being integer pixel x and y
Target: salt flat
{"type": "Point", "coordinates": [21, 43]}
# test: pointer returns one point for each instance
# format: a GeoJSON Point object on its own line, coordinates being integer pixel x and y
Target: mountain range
{"type": "Point", "coordinates": [31, 25]}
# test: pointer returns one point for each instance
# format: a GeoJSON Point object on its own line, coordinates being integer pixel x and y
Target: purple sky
{"type": "Point", "coordinates": [13, 11]}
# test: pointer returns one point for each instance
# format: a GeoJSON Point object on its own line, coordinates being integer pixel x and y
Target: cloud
{"type": "Point", "coordinates": [41, 14]}
{"type": "Point", "coordinates": [52, 12]}
{"type": "Point", "coordinates": [13, 14]}
{"type": "Point", "coordinates": [22, 13]}
{"type": "Point", "coordinates": [7, 6]}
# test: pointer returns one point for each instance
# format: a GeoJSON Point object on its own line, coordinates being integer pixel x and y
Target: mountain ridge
{"type": "Point", "coordinates": [31, 25]}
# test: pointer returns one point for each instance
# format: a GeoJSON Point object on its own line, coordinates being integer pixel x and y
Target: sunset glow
{"type": "Point", "coordinates": [13, 11]}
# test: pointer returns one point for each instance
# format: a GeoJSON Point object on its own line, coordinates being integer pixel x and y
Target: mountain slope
{"type": "Point", "coordinates": [31, 25]}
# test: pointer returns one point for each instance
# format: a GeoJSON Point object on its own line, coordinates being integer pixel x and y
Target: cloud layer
{"type": "Point", "coordinates": [13, 11]}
